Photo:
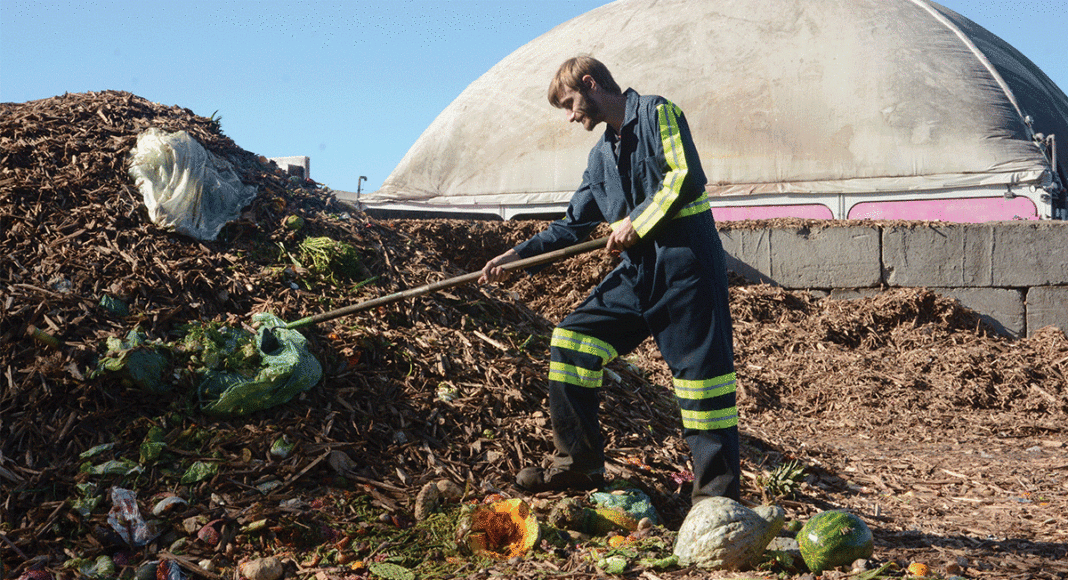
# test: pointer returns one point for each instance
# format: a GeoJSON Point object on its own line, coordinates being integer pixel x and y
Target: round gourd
{"type": "Point", "coordinates": [722, 534]}
{"type": "Point", "coordinates": [834, 538]}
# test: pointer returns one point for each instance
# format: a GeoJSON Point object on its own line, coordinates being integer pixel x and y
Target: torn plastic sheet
{"type": "Point", "coordinates": [184, 185]}
{"type": "Point", "coordinates": [125, 519]}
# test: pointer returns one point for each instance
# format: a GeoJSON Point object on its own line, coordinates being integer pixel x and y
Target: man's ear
{"type": "Point", "coordinates": [589, 82]}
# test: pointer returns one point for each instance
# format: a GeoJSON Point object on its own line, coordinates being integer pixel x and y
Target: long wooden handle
{"type": "Point", "coordinates": [451, 282]}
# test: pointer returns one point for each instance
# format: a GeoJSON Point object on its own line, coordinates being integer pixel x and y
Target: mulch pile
{"type": "Point", "coordinates": [903, 408]}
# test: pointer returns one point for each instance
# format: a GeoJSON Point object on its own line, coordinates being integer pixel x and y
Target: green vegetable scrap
{"type": "Point", "coordinates": [286, 369]}
{"type": "Point", "coordinates": [89, 500]}
{"type": "Point", "coordinates": [783, 481]}
{"type": "Point", "coordinates": [199, 471]}
{"type": "Point", "coordinates": [137, 361]}
{"type": "Point", "coordinates": [153, 445]}
{"type": "Point", "coordinates": [213, 347]}
{"type": "Point", "coordinates": [102, 567]}
{"type": "Point", "coordinates": [390, 571]}
{"type": "Point", "coordinates": [282, 447]}
{"type": "Point", "coordinates": [96, 450]}
{"type": "Point", "coordinates": [294, 222]}
{"type": "Point", "coordinates": [633, 501]}
{"type": "Point", "coordinates": [335, 261]}
{"type": "Point", "coordinates": [614, 565]}
{"type": "Point", "coordinates": [114, 305]}
{"type": "Point", "coordinates": [112, 467]}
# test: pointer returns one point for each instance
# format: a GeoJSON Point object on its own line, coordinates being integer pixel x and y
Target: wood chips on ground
{"type": "Point", "coordinates": [947, 439]}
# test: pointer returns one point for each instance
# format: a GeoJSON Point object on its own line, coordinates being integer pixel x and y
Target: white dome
{"type": "Point", "coordinates": [791, 102]}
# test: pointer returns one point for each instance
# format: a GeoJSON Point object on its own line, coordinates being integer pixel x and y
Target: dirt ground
{"type": "Point", "coordinates": [949, 441]}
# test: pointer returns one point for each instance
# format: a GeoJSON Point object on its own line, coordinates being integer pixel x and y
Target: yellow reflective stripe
{"type": "Point", "coordinates": [574, 375]}
{"type": "Point", "coordinates": [705, 389]}
{"type": "Point", "coordinates": [585, 344]}
{"type": "Point", "coordinates": [707, 420]}
{"type": "Point", "coordinates": [699, 205]}
{"type": "Point", "coordinates": [677, 169]}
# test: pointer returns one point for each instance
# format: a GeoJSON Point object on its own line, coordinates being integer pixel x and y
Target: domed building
{"type": "Point", "coordinates": [859, 109]}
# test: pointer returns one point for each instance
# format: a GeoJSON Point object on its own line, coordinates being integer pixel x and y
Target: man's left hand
{"type": "Point", "coordinates": [623, 236]}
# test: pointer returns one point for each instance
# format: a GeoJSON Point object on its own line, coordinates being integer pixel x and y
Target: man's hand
{"type": "Point", "coordinates": [622, 237]}
{"type": "Point", "coordinates": [492, 271]}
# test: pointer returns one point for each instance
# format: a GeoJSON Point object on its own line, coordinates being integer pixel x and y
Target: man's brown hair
{"type": "Point", "coordinates": [569, 76]}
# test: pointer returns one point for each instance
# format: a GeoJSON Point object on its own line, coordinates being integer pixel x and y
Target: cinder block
{"type": "Point", "coordinates": [928, 255]}
{"type": "Point", "coordinates": [1002, 308]}
{"type": "Point", "coordinates": [1047, 306]}
{"type": "Point", "coordinates": [830, 257]}
{"type": "Point", "coordinates": [748, 253]}
{"type": "Point", "coordinates": [1029, 253]}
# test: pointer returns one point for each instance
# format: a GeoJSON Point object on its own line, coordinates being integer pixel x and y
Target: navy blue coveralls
{"type": "Point", "coordinates": [671, 285]}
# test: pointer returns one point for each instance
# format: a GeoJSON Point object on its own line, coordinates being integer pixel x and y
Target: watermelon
{"type": "Point", "coordinates": [834, 538]}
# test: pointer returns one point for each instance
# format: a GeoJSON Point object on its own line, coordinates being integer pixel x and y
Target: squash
{"type": "Point", "coordinates": [834, 538]}
{"type": "Point", "coordinates": [919, 569]}
{"type": "Point", "coordinates": [503, 529]}
{"type": "Point", "coordinates": [570, 514]}
{"type": "Point", "coordinates": [720, 533]}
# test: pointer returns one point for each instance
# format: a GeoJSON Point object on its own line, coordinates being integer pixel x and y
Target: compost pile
{"type": "Point", "coordinates": [948, 440]}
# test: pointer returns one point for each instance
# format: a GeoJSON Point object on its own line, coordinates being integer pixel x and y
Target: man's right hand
{"type": "Point", "coordinates": [493, 272]}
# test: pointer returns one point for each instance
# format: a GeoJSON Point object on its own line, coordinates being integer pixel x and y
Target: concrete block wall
{"type": "Point", "coordinates": [1015, 274]}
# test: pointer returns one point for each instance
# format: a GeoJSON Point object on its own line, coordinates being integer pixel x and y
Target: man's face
{"type": "Point", "coordinates": [580, 108]}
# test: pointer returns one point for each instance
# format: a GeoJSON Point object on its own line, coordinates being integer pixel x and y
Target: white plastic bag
{"type": "Point", "coordinates": [184, 185]}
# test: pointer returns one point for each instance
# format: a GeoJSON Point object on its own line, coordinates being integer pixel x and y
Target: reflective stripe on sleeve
{"type": "Point", "coordinates": [699, 205]}
{"type": "Point", "coordinates": [675, 157]}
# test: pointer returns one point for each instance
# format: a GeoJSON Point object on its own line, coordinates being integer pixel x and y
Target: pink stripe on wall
{"type": "Point", "coordinates": [815, 211]}
{"type": "Point", "coordinates": [960, 210]}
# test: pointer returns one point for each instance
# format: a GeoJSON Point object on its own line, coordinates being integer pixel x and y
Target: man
{"type": "Point", "coordinates": [645, 179]}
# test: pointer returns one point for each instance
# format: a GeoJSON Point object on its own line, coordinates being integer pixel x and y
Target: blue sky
{"type": "Point", "coordinates": [352, 84]}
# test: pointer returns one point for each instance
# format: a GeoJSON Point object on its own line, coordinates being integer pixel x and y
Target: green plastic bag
{"type": "Point", "coordinates": [287, 369]}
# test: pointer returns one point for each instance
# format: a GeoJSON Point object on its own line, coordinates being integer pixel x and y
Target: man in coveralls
{"type": "Point", "coordinates": [645, 179]}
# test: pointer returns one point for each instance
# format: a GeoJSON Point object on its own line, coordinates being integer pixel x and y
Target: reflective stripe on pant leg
{"type": "Point", "coordinates": [710, 426]}
{"type": "Point", "coordinates": [572, 374]}
{"type": "Point", "coordinates": [707, 404]}
{"type": "Point", "coordinates": [575, 374]}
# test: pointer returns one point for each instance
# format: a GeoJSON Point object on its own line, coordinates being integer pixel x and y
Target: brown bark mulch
{"type": "Point", "coordinates": [947, 439]}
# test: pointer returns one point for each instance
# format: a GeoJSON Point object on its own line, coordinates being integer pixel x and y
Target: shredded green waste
{"type": "Point", "coordinates": [335, 261]}
{"type": "Point", "coordinates": [137, 361]}
{"type": "Point", "coordinates": [236, 371]}
{"type": "Point", "coordinates": [286, 369]}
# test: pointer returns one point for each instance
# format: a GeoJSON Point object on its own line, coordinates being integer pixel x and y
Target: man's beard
{"type": "Point", "coordinates": [591, 114]}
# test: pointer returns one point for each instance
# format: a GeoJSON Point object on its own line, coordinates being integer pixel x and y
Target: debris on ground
{"type": "Point", "coordinates": [947, 440]}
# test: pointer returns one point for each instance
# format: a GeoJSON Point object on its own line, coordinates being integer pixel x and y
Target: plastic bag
{"type": "Point", "coordinates": [184, 185]}
{"type": "Point", "coordinates": [125, 518]}
{"type": "Point", "coordinates": [288, 368]}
